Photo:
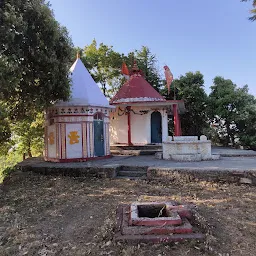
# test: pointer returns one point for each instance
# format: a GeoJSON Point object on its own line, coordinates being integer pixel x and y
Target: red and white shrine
{"type": "Point", "coordinates": [78, 130]}
{"type": "Point", "coordinates": [141, 113]}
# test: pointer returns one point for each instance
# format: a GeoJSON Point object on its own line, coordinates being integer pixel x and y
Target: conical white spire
{"type": "Point", "coordinates": [84, 90]}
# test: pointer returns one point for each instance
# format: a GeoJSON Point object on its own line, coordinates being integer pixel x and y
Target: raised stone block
{"type": "Point", "coordinates": [159, 155]}
{"type": "Point", "coordinates": [187, 157]}
{"type": "Point", "coordinates": [154, 214]}
{"type": "Point", "coordinates": [214, 157]}
{"type": "Point", "coordinates": [188, 148]}
{"type": "Point", "coordinates": [164, 233]}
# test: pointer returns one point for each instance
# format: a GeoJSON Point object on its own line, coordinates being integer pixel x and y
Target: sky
{"type": "Point", "coordinates": [213, 37]}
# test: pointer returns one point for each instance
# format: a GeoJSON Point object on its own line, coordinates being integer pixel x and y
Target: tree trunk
{"type": "Point", "coordinates": [104, 89]}
{"type": "Point", "coordinates": [29, 150]}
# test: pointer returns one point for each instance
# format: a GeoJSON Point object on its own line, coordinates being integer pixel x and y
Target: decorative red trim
{"type": "Point", "coordinates": [46, 140]}
{"type": "Point", "coordinates": [176, 119]}
{"type": "Point", "coordinates": [56, 160]}
{"type": "Point", "coordinates": [129, 124]}
{"type": "Point", "coordinates": [86, 136]}
{"type": "Point", "coordinates": [82, 133]}
{"type": "Point", "coordinates": [79, 115]}
{"type": "Point", "coordinates": [61, 140]}
{"type": "Point", "coordinates": [71, 115]}
{"type": "Point", "coordinates": [56, 140]}
{"type": "Point", "coordinates": [131, 102]}
{"type": "Point", "coordinates": [65, 144]}
{"type": "Point", "coordinates": [159, 101]}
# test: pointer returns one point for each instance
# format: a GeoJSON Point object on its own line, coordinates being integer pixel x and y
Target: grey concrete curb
{"type": "Point", "coordinates": [208, 174]}
{"type": "Point", "coordinates": [153, 173]}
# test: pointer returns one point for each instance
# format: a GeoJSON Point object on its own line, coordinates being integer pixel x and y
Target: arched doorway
{"type": "Point", "coordinates": [98, 135]}
{"type": "Point", "coordinates": [156, 127]}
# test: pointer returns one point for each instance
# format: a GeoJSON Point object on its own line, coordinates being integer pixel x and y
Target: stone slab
{"type": "Point", "coordinates": [172, 219]}
{"type": "Point", "coordinates": [181, 138]}
{"type": "Point", "coordinates": [157, 239]}
{"type": "Point", "coordinates": [128, 229]}
{"type": "Point", "coordinates": [126, 233]}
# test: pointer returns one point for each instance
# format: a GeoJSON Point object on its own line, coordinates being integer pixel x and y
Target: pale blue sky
{"type": "Point", "coordinates": [213, 37]}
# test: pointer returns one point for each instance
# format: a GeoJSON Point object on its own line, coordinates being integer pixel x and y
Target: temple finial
{"type": "Point", "coordinates": [77, 55]}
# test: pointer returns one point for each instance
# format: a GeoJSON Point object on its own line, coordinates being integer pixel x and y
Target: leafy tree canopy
{"type": "Point", "coordinates": [35, 53]}
{"type": "Point", "coordinates": [228, 107]}
{"type": "Point", "coordinates": [147, 62]}
{"type": "Point", "coordinates": [253, 11]}
{"type": "Point", "coordinates": [103, 63]}
{"type": "Point", "coordinates": [190, 88]}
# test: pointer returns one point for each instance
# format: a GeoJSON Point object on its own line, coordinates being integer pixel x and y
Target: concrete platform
{"type": "Point", "coordinates": [238, 169]}
{"type": "Point", "coordinates": [139, 150]}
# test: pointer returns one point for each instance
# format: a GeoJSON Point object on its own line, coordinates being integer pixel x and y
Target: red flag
{"type": "Point", "coordinates": [169, 77]}
{"type": "Point", "coordinates": [125, 71]}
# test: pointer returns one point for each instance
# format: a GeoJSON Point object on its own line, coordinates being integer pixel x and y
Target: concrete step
{"type": "Point", "coordinates": [132, 173]}
{"type": "Point", "coordinates": [134, 152]}
{"type": "Point", "coordinates": [131, 178]}
{"type": "Point", "coordinates": [139, 147]}
{"type": "Point", "coordinates": [134, 168]}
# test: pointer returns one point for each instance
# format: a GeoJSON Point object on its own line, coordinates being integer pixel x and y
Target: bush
{"type": "Point", "coordinates": [8, 163]}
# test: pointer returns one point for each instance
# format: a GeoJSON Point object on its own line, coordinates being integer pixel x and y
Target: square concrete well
{"type": "Point", "coordinates": [154, 214]}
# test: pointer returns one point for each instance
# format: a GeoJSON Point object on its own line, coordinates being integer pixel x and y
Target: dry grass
{"type": "Point", "coordinates": [46, 215]}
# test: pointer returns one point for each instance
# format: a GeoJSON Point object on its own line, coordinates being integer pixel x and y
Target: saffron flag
{"type": "Point", "coordinates": [125, 71]}
{"type": "Point", "coordinates": [169, 77]}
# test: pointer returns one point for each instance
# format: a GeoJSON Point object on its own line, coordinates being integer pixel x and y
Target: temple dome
{"type": "Point", "coordinates": [84, 90]}
{"type": "Point", "coordinates": [136, 89]}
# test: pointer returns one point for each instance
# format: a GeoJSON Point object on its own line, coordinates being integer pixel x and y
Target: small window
{"type": "Point", "coordinates": [98, 116]}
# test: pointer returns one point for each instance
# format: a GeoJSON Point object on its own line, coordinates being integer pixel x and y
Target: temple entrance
{"type": "Point", "coordinates": [98, 135]}
{"type": "Point", "coordinates": [156, 127]}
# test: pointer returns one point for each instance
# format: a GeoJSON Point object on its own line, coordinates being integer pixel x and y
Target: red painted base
{"type": "Point", "coordinates": [153, 234]}
{"type": "Point", "coordinates": [56, 160]}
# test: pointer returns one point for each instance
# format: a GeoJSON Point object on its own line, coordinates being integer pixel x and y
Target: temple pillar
{"type": "Point", "coordinates": [129, 125]}
{"type": "Point", "coordinates": [176, 118]}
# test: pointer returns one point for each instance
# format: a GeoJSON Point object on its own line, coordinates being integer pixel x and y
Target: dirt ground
{"type": "Point", "coordinates": [47, 215]}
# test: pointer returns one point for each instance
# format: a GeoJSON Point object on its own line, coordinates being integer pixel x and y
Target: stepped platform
{"type": "Point", "coordinates": [152, 149]}
{"type": "Point", "coordinates": [240, 169]}
{"type": "Point", "coordinates": [136, 150]}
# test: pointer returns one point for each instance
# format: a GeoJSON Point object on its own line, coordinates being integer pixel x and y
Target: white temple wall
{"type": "Point", "coordinates": [140, 127]}
{"type": "Point", "coordinates": [118, 128]}
{"type": "Point", "coordinates": [164, 124]}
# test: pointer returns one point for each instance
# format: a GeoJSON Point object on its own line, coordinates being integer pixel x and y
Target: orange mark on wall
{"type": "Point", "coordinates": [73, 137]}
{"type": "Point", "coordinates": [51, 138]}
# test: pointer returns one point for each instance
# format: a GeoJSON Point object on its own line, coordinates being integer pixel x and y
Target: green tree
{"type": "Point", "coordinates": [5, 131]}
{"type": "Point", "coordinates": [229, 108]}
{"type": "Point", "coordinates": [28, 135]}
{"type": "Point", "coordinates": [253, 11]}
{"type": "Point", "coordinates": [190, 88]}
{"type": "Point", "coordinates": [35, 53]}
{"type": "Point", "coordinates": [247, 127]}
{"type": "Point", "coordinates": [147, 62]}
{"type": "Point", "coordinates": [104, 64]}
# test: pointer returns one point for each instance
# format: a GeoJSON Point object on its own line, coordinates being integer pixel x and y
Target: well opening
{"type": "Point", "coordinates": [152, 211]}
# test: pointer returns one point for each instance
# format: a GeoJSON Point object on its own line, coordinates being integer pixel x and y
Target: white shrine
{"type": "Point", "coordinates": [141, 113]}
{"type": "Point", "coordinates": [78, 130]}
